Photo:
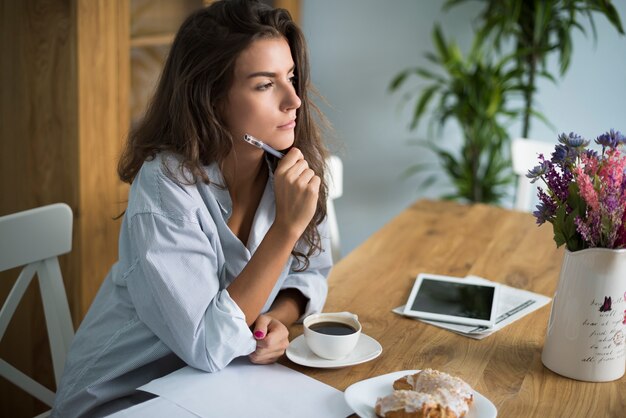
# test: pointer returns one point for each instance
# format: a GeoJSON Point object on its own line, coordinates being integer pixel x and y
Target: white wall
{"type": "Point", "coordinates": [356, 48]}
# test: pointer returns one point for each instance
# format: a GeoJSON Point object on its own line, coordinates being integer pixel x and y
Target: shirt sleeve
{"type": "Point", "coordinates": [175, 289]}
{"type": "Point", "coordinates": [312, 282]}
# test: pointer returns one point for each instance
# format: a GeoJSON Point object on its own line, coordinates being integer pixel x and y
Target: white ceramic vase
{"type": "Point", "coordinates": [586, 332]}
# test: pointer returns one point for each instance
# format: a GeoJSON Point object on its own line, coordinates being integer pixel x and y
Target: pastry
{"type": "Point", "coordinates": [426, 394]}
{"type": "Point", "coordinates": [411, 404]}
{"type": "Point", "coordinates": [406, 404]}
{"type": "Point", "coordinates": [428, 380]}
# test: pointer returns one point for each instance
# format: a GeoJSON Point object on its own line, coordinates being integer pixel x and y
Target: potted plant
{"type": "Point", "coordinates": [533, 30]}
{"type": "Point", "coordinates": [475, 92]}
{"type": "Point", "coordinates": [585, 201]}
{"type": "Point", "coordinates": [536, 30]}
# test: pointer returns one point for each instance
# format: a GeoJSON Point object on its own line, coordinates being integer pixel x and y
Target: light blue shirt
{"type": "Point", "coordinates": [164, 304]}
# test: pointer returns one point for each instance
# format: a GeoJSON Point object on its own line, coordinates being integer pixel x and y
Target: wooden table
{"type": "Point", "coordinates": [457, 240]}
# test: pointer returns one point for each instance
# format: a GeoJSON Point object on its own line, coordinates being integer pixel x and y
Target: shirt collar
{"type": "Point", "coordinates": [220, 190]}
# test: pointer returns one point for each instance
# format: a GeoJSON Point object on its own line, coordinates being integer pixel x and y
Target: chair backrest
{"type": "Point", "coordinates": [525, 153]}
{"type": "Point", "coordinates": [33, 239]}
{"type": "Point", "coordinates": [334, 178]}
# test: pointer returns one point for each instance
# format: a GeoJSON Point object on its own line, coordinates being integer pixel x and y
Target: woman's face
{"type": "Point", "coordinates": [262, 101]}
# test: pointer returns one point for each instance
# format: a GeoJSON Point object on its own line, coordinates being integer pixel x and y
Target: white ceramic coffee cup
{"type": "Point", "coordinates": [332, 347]}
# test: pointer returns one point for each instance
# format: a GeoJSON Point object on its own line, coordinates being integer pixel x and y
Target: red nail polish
{"type": "Point", "coordinates": [259, 334]}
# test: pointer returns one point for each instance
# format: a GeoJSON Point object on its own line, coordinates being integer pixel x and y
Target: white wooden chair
{"type": "Point", "coordinates": [33, 239]}
{"type": "Point", "coordinates": [334, 179]}
{"type": "Point", "coordinates": [525, 153]}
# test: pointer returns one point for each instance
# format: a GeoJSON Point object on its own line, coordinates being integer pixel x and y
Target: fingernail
{"type": "Point", "coordinates": [259, 334]}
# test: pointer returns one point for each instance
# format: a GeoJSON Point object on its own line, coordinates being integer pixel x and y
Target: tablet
{"type": "Point", "coordinates": [450, 299]}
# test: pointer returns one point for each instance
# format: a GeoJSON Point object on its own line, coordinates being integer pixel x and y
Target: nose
{"type": "Point", "coordinates": [290, 101]}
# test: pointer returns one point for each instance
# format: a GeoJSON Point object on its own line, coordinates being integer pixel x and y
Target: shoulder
{"type": "Point", "coordinates": [163, 187]}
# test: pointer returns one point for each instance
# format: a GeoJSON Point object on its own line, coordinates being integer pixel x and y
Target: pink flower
{"type": "Point", "coordinates": [598, 211]}
{"type": "Point", "coordinates": [590, 164]}
{"type": "Point", "coordinates": [585, 185]}
{"type": "Point", "coordinates": [612, 172]}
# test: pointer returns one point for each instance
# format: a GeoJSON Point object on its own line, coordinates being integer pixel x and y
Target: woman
{"type": "Point", "coordinates": [222, 246]}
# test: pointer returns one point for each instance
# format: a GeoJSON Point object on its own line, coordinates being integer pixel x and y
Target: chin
{"type": "Point", "coordinates": [283, 142]}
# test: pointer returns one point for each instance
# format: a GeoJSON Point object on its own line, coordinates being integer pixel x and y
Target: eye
{"type": "Point", "coordinates": [265, 86]}
{"type": "Point", "coordinates": [293, 79]}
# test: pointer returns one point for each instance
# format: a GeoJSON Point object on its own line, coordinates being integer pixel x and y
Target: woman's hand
{"type": "Point", "coordinates": [296, 187]}
{"type": "Point", "coordinates": [272, 339]}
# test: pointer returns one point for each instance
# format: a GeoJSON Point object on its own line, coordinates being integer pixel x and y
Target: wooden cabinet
{"type": "Point", "coordinates": [153, 25]}
{"type": "Point", "coordinates": [75, 74]}
{"type": "Point", "coordinates": [60, 135]}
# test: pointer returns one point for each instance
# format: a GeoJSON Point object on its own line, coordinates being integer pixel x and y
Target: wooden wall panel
{"type": "Point", "coordinates": [63, 113]}
{"type": "Point", "coordinates": [292, 5]}
{"type": "Point", "coordinates": [38, 160]}
{"type": "Point", "coordinates": [100, 137]}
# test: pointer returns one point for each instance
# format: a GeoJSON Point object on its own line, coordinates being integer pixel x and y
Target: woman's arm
{"type": "Point", "coordinates": [253, 285]}
{"type": "Point", "coordinates": [302, 293]}
{"type": "Point", "coordinates": [296, 189]}
{"type": "Point", "coordinates": [270, 329]}
{"type": "Point", "coordinates": [175, 288]}
{"type": "Point", "coordinates": [288, 306]}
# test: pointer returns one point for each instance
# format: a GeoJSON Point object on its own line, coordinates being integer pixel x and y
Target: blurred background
{"type": "Point", "coordinates": [77, 74]}
{"type": "Point", "coordinates": [358, 46]}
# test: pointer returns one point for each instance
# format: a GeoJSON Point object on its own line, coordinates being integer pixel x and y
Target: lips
{"type": "Point", "coordinates": [289, 125]}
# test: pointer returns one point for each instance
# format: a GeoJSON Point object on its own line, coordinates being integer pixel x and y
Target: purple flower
{"type": "Point", "coordinates": [583, 229]}
{"type": "Point", "coordinates": [573, 140]}
{"type": "Point", "coordinates": [613, 212]}
{"type": "Point", "coordinates": [558, 181]}
{"type": "Point", "coordinates": [564, 156]}
{"type": "Point", "coordinates": [536, 172]}
{"type": "Point", "coordinates": [598, 180]}
{"type": "Point", "coordinates": [589, 229]}
{"type": "Point", "coordinates": [610, 139]}
{"type": "Point", "coordinates": [546, 207]}
{"type": "Point", "coordinates": [543, 213]}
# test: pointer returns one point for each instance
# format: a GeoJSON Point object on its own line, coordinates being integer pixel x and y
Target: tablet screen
{"type": "Point", "coordinates": [456, 299]}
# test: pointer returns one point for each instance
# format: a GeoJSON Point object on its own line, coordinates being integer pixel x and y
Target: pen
{"type": "Point", "coordinates": [262, 145]}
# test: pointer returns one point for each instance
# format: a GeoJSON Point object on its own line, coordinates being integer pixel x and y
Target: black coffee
{"type": "Point", "coordinates": [332, 328]}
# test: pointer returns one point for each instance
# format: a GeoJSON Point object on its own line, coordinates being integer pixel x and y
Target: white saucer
{"type": "Point", "coordinates": [366, 349]}
{"type": "Point", "coordinates": [361, 396]}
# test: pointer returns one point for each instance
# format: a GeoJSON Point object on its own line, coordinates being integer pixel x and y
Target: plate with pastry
{"type": "Point", "coordinates": [417, 394]}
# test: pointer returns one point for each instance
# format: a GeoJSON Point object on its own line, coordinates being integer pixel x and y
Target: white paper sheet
{"type": "Point", "coordinates": [514, 304]}
{"type": "Point", "coordinates": [243, 389]}
{"type": "Point", "coordinates": [154, 408]}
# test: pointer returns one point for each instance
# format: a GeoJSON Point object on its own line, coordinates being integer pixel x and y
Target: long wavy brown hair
{"type": "Point", "coordinates": [184, 114]}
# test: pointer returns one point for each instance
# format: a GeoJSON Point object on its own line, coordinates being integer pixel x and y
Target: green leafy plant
{"type": "Point", "coordinates": [536, 30]}
{"type": "Point", "coordinates": [475, 92]}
